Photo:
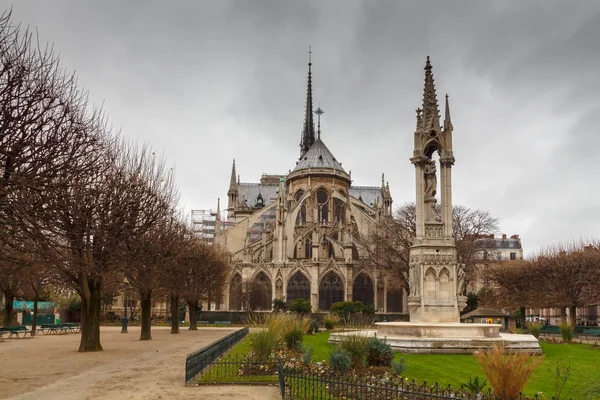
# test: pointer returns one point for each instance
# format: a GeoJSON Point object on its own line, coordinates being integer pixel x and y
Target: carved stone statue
{"type": "Point", "coordinates": [415, 280]}
{"type": "Point", "coordinates": [429, 171]}
{"type": "Point", "coordinates": [460, 281]}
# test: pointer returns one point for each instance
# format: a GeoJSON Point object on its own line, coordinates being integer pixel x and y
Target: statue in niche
{"type": "Point", "coordinates": [415, 280]}
{"type": "Point", "coordinates": [430, 179]}
{"type": "Point", "coordinates": [460, 281]}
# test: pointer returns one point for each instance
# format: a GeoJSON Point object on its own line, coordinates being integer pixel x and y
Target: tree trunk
{"type": "Point", "coordinates": [91, 308]}
{"type": "Point", "coordinates": [35, 312]}
{"type": "Point", "coordinates": [8, 308]}
{"type": "Point", "coordinates": [146, 304]}
{"type": "Point", "coordinates": [563, 315]}
{"type": "Point", "coordinates": [192, 305]}
{"type": "Point", "coordinates": [573, 316]}
{"type": "Point", "coordinates": [174, 314]}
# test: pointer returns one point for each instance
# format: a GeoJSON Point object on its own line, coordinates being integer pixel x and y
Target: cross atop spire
{"type": "Point", "coordinates": [431, 111]}
{"type": "Point", "coordinates": [308, 132]}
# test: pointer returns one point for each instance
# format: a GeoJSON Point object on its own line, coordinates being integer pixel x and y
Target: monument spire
{"type": "Point", "coordinates": [308, 131]}
{"type": "Point", "coordinates": [447, 121]}
{"type": "Point", "coordinates": [431, 110]}
{"type": "Point", "coordinates": [232, 181]}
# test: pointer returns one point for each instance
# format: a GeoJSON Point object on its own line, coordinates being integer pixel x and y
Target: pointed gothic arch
{"type": "Point", "coordinates": [363, 290]}
{"type": "Point", "coordinates": [444, 279]}
{"type": "Point", "coordinates": [429, 284]}
{"type": "Point", "coordinates": [298, 287]}
{"type": "Point", "coordinates": [331, 290]}
{"type": "Point", "coordinates": [235, 293]}
{"type": "Point", "coordinates": [261, 292]}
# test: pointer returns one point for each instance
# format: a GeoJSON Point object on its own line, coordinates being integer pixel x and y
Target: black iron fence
{"type": "Point", "coordinates": [198, 361]}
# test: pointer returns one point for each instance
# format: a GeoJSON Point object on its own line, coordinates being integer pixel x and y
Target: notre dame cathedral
{"type": "Point", "coordinates": [298, 235]}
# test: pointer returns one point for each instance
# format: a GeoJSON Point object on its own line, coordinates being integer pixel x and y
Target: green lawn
{"type": "Point", "coordinates": [456, 369]}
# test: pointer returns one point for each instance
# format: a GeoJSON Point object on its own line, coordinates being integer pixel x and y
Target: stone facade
{"type": "Point", "coordinates": [297, 235]}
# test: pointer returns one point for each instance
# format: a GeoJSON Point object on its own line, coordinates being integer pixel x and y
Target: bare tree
{"type": "Point", "coordinates": [389, 243]}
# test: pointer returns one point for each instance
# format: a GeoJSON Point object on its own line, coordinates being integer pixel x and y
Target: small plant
{"type": "Point", "coordinates": [507, 373]}
{"type": "Point", "coordinates": [340, 359]}
{"type": "Point", "coordinates": [474, 385]}
{"type": "Point", "coordinates": [314, 326]}
{"type": "Point", "coordinates": [330, 321]}
{"type": "Point", "coordinates": [399, 366]}
{"type": "Point", "coordinates": [519, 331]}
{"type": "Point", "coordinates": [263, 343]}
{"type": "Point", "coordinates": [357, 346]}
{"type": "Point", "coordinates": [307, 354]}
{"type": "Point", "coordinates": [561, 374]}
{"type": "Point", "coordinates": [379, 353]}
{"type": "Point", "coordinates": [535, 328]}
{"type": "Point", "coordinates": [566, 332]}
{"type": "Point", "coordinates": [301, 306]}
{"type": "Point", "coordinates": [280, 305]}
{"type": "Point", "coordinates": [293, 337]}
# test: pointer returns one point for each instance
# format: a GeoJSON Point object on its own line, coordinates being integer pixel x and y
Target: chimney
{"type": "Point", "coordinates": [504, 236]}
{"type": "Point", "coordinates": [491, 235]}
{"type": "Point", "coordinates": [515, 236]}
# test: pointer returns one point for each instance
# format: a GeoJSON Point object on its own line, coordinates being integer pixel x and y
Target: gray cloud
{"type": "Point", "coordinates": [207, 81]}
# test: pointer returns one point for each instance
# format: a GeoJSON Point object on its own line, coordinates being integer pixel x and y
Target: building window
{"type": "Point", "coordinates": [298, 287]}
{"type": "Point", "coordinates": [322, 200]}
{"type": "Point", "coordinates": [513, 256]}
{"type": "Point", "coordinates": [331, 290]}
{"type": "Point", "coordinates": [362, 290]}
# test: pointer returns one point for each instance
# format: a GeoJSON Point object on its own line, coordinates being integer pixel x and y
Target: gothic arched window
{"type": "Point", "coordinates": [261, 294]}
{"type": "Point", "coordinates": [298, 287]}
{"type": "Point", "coordinates": [301, 218]}
{"type": "Point", "coordinates": [331, 290]}
{"type": "Point", "coordinates": [235, 293]}
{"type": "Point", "coordinates": [362, 289]}
{"type": "Point", "coordinates": [308, 249]}
{"type": "Point", "coordinates": [322, 203]}
{"type": "Point", "coordinates": [339, 210]}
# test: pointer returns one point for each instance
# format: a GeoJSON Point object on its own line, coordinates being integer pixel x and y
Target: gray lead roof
{"type": "Point", "coordinates": [318, 156]}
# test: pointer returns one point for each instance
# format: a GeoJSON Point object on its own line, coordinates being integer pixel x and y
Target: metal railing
{"type": "Point", "coordinates": [196, 362]}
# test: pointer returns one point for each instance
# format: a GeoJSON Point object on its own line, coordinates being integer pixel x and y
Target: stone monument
{"type": "Point", "coordinates": [436, 279]}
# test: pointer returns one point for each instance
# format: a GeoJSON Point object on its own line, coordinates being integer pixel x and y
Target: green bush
{"type": "Point", "coordinates": [301, 306]}
{"type": "Point", "coordinates": [307, 354]}
{"type": "Point", "coordinates": [343, 308]}
{"type": "Point", "coordinates": [357, 346]}
{"type": "Point", "coordinates": [340, 359]}
{"type": "Point", "coordinates": [314, 326]}
{"type": "Point", "coordinates": [474, 385]}
{"type": "Point", "coordinates": [293, 337]}
{"type": "Point", "coordinates": [263, 343]}
{"type": "Point", "coordinates": [379, 353]}
{"type": "Point", "coordinates": [280, 305]}
{"type": "Point", "coordinates": [399, 366]}
{"type": "Point", "coordinates": [329, 322]}
{"type": "Point", "coordinates": [566, 332]}
{"type": "Point", "coordinates": [535, 328]}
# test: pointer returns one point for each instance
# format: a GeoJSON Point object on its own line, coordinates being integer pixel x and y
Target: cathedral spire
{"type": "Point", "coordinates": [431, 110]}
{"type": "Point", "coordinates": [217, 221]}
{"type": "Point", "coordinates": [308, 132]}
{"type": "Point", "coordinates": [232, 182]}
{"type": "Point", "coordinates": [447, 120]}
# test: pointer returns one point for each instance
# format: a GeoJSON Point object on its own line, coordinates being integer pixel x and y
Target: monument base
{"type": "Point", "coordinates": [446, 338]}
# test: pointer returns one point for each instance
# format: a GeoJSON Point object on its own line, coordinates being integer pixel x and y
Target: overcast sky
{"type": "Point", "coordinates": [205, 82]}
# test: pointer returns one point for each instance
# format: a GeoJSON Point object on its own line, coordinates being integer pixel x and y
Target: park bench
{"type": "Point", "coordinates": [550, 329]}
{"type": "Point", "coordinates": [15, 330]}
{"type": "Point", "coordinates": [217, 323]}
{"type": "Point", "coordinates": [71, 326]}
{"type": "Point", "coordinates": [203, 323]}
{"type": "Point", "coordinates": [591, 332]}
{"type": "Point", "coordinates": [3, 331]}
{"type": "Point", "coordinates": [52, 328]}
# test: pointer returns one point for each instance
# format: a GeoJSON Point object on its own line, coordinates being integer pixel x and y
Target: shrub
{"type": "Point", "coordinates": [263, 343]}
{"type": "Point", "coordinates": [535, 328]}
{"type": "Point", "coordinates": [293, 337]}
{"type": "Point", "coordinates": [280, 305]}
{"type": "Point", "coordinates": [357, 346]}
{"type": "Point", "coordinates": [314, 326]}
{"type": "Point", "coordinates": [340, 360]}
{"type": "Point", "coordinates": [474, 385]}
{"type": "Point", "coordinates": [343, 308]}
{"type": "Point", "coordinates": [330, 321]}
{"type": "Point", "coordinates": [566, 332]}
{"type": "Point", "coordinates": [507, 373]}
{"type": "Point", "coordinates": [399, 366]}
{"type": "Point", "coordinates": [307, 354]}
{"type": "Point", "coordinates": [379, 353]}
{"type": "Point", "coordinates": [301, 306]}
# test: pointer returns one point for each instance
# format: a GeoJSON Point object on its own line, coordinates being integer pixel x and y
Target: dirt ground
{"type": "Point", "coordinates": [50, 367]}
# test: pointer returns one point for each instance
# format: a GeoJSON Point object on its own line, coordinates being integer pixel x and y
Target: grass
{"type": "Point", "coordinates": [455, 369]}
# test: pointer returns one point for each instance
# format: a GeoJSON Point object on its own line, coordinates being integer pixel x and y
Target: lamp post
{"type": "Point", "coordinates": [124, 320]}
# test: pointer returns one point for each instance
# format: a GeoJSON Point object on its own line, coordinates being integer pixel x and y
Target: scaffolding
{"type": "Point", "coordinates": [205, 221]}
